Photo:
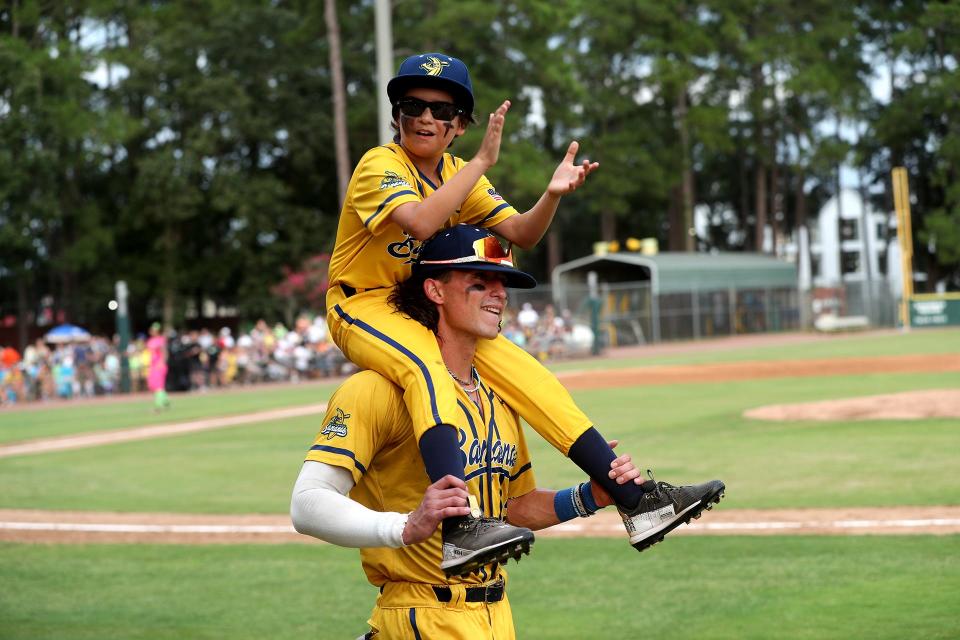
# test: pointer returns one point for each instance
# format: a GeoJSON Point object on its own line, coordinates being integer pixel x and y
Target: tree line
{"type": "Point", "coordinates": [189, 148]}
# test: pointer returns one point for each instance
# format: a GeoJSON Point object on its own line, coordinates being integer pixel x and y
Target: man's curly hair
{"type": "Point", "coordinates": [408, 298]}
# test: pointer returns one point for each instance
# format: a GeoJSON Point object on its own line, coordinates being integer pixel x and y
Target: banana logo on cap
{"type": "Point", "coordinates": [434, 66]}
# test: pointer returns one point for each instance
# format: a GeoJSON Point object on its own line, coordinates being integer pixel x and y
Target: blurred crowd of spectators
{"type": "Point", "coordinates": [197, 360]}
{"type": "Point", "coordinates": [200, 359]}
{"type": "Point", "coordinates": [547, 334]}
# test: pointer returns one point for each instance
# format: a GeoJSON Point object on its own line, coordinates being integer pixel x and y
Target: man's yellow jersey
{"type": "Point", "coordinates": [367, 430]}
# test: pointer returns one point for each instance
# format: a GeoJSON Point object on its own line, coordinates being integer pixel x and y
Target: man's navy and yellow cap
{"type": "Point", "coordinates": [434, 70]}
{"type": "Point", "coordinates": [469, 248]}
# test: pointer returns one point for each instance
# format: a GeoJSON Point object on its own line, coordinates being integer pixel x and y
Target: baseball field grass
{"type": "Point", "coordinates": [685, 433]}
{"type": "Point", "coordinates": [730, 588]}
{"type": "Point", "coordinates": [687, 587]}
{"type": "Point", "coordinates": [853, 345]}
{"type": "Point", "coordinates": [63, 418]}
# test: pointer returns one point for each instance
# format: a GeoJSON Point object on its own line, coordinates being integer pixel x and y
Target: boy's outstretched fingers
{"type": "Point", "coordinates": [569, 176]}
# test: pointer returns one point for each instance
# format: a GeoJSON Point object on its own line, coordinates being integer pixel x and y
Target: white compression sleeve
{"type": "Point", "coordinates": [320, 508]}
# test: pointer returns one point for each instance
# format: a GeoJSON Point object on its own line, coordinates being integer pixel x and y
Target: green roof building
{"type": "Point", "coordinates": [671, 296]}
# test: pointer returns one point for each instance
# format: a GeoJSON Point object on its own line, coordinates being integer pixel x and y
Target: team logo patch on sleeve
{"type": "Point", "coordinates": [391, 180]}
{"type": "Point", "coordinates": [337, 425]}
{"type": "Point", "coordinates": [493, 194]}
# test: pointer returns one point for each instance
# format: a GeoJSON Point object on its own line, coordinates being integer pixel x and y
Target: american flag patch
{"type": "Point", "coordinates": [493, 194]}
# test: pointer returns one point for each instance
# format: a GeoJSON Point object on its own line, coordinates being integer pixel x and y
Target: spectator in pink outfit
{"type": "Point", "coordinates": [157, 374]}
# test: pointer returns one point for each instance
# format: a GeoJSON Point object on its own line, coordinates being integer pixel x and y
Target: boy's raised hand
{"type": "Point", "coordinates": [489, 151]}
{"type": "Point", "coordinates": [568, 176]}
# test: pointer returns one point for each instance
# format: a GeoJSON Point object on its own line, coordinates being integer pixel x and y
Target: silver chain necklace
{"type": "Point", "coordinates": [466, 383]}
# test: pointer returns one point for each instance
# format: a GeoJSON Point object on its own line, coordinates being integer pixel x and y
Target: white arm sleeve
{"type": "Point", "coordinates": [320, 508]}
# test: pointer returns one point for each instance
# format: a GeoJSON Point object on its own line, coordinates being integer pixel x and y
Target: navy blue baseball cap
{"type": "Point", "coordinates": [469, 248]}
{"type": "Point", "coordinates": [434, 70]}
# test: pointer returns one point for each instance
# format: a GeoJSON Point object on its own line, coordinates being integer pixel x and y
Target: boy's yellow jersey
{"type": "Point", "coordinates": [372, 251]}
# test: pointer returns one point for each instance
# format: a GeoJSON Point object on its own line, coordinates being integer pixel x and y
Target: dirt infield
{"type": "Point", "coordinates": [731, 371]}
{"type": "Point", "coordinates": [82, 527]}
{"type": "Point", "coordinates": [910, 405]}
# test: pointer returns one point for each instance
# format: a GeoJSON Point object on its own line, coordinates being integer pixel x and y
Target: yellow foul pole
{"type": "Point", "coordinates": [901, 202]}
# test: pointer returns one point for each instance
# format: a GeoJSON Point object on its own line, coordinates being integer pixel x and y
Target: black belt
{"type": "Point", "coordinates": [490, 593]}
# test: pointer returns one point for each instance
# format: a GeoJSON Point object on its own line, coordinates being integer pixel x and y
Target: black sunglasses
{"type": "Point", "coordinates": [413, 107]}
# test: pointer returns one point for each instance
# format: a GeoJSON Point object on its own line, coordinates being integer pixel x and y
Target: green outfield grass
{"type": "Point", "coordinates": [62, 418]}
{"type": "Point", "coordinates": [686, 433]}
{"type": "Point", "coordinates": [932, 341]}
{"type": "Point", "coordinates": [698, 588]}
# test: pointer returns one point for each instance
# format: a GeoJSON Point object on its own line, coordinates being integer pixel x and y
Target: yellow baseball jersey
{"type": "Point", "coordinates": [371, 250]}
{"type": "Point", "coordinates": [367, 430]}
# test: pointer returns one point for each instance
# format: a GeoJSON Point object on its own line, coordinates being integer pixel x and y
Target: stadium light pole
{"type": "Point", "coordinates": [384, 40]}
{"type": "Point", "coordinates": [123, 331]}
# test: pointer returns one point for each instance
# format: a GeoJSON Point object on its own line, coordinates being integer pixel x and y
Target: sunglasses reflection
{"type": "Point", "coordinates": [490, 249]}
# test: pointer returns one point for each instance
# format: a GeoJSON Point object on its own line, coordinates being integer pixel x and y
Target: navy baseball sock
{"type": "Point", "coordinates": [441, 452]}
{"type": "Point", "coordinates": [592, 454]}
{"type": "Point", "coordinates": [441, 457]}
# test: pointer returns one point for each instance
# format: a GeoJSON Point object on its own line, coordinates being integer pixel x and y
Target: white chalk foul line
{"type": "Point", "coordinates": [565, 527]}
{"type": "Point", "coordinates": [143, 528]}
{"type": "Point", "coordinates": [698, 527]}
{"type": "Point", "coordinates": [831, 524]}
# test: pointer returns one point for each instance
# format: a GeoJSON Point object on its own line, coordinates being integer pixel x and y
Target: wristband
{"type": "Point", "coordinates": [563, 504]}
{"type": "Point", "coordinates": [570, 503]}
{"type": "Point", "coordinates": [586, 496]}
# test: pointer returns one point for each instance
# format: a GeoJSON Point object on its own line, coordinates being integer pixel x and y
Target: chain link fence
{"type": "Point", "coordinates": [629, 312]}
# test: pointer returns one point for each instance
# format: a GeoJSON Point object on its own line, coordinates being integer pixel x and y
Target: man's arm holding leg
{"type": "Point", "coordinates": [320, 507]}
{"type": "Point", "coordinates": [538, 509]}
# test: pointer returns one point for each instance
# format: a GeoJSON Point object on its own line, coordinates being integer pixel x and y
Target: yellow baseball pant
{"type": "Point", "coordinates": [411, 611]}
{"type": "Point", "coordinates": [374, 336]}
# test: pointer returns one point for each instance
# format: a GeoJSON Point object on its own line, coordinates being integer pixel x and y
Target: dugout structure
{"type": "Point", "coordinates": [680, 296]}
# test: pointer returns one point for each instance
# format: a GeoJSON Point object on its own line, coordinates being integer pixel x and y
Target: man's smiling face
{"type": "Point", "coordinates": [473, 302]}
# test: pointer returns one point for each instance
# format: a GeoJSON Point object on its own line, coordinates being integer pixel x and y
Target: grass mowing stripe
{"type": "Point", "coordinates": [710, 588]}
{"type": "Point", "coordinates": [245, 469]}
{"type": "Point", "coordinates": [105, 438]}
{"type": "Point", "coordinates": [782, 587]}
{"type": "Point", "coordinates": [66, 418]}
{"type": "Point", "coordinates": [685, 433]}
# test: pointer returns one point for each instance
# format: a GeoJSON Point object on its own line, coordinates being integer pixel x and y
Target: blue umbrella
{"type": "Point", "coordinates": [67, 333]}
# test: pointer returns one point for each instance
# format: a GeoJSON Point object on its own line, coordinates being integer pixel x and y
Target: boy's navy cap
{"type": "Point", "coordinates": [468, 248]}
{"type": "Point", "coordinates": [434, 70]}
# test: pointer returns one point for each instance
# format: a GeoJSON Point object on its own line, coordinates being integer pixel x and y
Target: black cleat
{"type": "Point", "coordinates": [666, 508]}
{"type": "Point", "coordinates": [479, 541]}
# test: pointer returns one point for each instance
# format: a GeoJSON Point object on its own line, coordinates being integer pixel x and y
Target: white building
{"type": "Point", "coordinates": [849, 243]}
{"type": "Point", "coordinates": [839, 251]}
